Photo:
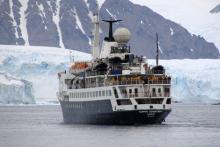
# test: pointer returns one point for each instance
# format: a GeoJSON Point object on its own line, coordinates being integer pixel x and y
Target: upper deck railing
{"type": "Point", "coordinates": [111, 80]}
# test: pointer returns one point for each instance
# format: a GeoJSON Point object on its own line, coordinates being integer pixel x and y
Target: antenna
{"type": "Point", "coordinates": [110, 34]}
{"type": "Point", "coordinates": [71, 56]}
{"type": "Point", "coordinates": [157, 56]}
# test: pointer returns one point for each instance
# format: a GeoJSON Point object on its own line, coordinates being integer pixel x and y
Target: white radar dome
{"type": "Point", "coordinates": [122, 35]}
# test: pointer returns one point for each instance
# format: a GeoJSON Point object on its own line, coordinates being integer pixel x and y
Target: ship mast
{"type": "Point", "coordinates": [110, 37]}
{"type": "Point", "coordinates": [157, 56]}
{"type": "Point", "coordinates": [96, 38]}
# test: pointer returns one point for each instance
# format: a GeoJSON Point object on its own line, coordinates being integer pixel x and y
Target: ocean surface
{"type": "Point", "coordinates": [188, 125]}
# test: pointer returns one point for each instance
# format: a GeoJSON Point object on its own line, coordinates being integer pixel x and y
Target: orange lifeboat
{"type": "Point", "coordinates": [79, 65]}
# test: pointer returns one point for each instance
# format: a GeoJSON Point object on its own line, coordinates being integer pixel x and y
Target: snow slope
{"type": "Point", "coordinates": [191, 14]}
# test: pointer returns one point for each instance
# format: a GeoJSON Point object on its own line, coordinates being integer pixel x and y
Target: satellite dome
{"type": "Point", "coordinates": [122, 35]}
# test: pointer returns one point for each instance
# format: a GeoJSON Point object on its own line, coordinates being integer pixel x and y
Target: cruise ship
{"type": "Point", "coordinates": [115, 86]}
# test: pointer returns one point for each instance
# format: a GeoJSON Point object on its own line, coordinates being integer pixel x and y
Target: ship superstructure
{"type": "Point", "coordinates": [116, 86]}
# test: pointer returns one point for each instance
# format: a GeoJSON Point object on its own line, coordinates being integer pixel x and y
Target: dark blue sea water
{"type": "Point", "coordinates": [189, 125]}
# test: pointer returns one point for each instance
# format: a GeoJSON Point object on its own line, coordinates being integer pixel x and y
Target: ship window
{"type": "Point", "coordinates": [124, 102]}
{"type": "Point", "coordinates": [87, 94]}
{"type": "Point", "coordinates": [166, 92]}
{"type": "Point", "coordinates": [150, 101]}
{"type": "Point", "coordinates": [93, 93]}
{"type": "Point", "coordinates": [106, 93]}
{"type": "Point", "coordinates": [110, 93]}
{"type": "Point", "coordinates": [103, 93]}
{"type": "Point", "coordinates": [100, 93]}
{"type": "Point", "coordinates": [130, 91]}
{"type": "Point", "coordinates": [115, 92]}
{"type": "Point", "coordinates": [136, 92]}
{"type": "Point", "coordinates": [154, 92]}
{"type": "Point", "coordinates": [159, 90]}
{"type": "Point", "coordinates": [168, 101]}
{"type": "Point", "coordinates": [143, 101]}
{"type": "Point", "coordinates": [97, 93]}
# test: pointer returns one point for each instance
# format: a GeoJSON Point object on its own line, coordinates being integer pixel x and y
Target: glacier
{"type": "Point", "coordinates": [39, 66]}
{"type": "Point", "coordinates": [14, 90]}
{"type": "Point", "coordinates": [193, 80]}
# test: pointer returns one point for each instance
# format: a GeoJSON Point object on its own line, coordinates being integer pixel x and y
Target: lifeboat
{"type": "Point", "coordinates": [79, 65]}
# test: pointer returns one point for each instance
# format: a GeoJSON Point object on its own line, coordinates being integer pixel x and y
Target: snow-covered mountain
{"type": "Point", "coordinates": [194, 15]}
{"type": "Point", "coordinates": [192, 80]}
{"type": "Point", "coordinates": [67, 24]}
{"type": "Point", "coordinates": [216, 9]}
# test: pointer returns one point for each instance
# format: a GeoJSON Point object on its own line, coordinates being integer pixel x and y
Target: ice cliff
{"type": "Point", "coordinates": [14, 90]}
{"type": "Point", "coordinates": [38, 65]}
{"type": "Point", "coordinates": [192, 80]}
